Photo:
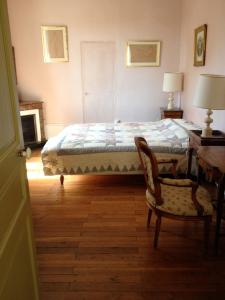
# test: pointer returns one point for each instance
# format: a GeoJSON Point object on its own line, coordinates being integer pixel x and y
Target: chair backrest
{"type": "Point", "coordinates": [150, 168]}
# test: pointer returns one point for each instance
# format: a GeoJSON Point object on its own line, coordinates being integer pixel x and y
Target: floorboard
{"type": "Point", "coordinates": [92, 243]}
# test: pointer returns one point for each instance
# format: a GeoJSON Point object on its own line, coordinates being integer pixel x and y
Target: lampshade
{"type": "Point", "coordinates": [210, 92]}
{"type": "Point", "coordinates": [172, 82]}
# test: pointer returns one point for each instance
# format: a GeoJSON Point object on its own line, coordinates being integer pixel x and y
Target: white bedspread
{"type": "Point", "coordinates": [107, 148]}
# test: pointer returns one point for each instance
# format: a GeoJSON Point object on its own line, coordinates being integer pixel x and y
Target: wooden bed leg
{"type": "Point", "coordinates": [61, 179]}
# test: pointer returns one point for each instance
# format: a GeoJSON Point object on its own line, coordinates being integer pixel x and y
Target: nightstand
{"type": "Point", "coordinates": [175, 113]}
{"type": "Point", "coordinates": [196, 140]}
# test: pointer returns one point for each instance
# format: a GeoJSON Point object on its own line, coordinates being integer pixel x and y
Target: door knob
{"type": "Point", "coordinates": [25, 153]}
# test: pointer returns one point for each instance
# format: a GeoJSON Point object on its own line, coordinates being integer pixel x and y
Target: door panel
{"type": "Point", "coordinates": [98, 68]}
{"type": "Point", "coordinates": [7, 133]}
{"type": "Point", "coordinates": [18, 264]}
{"type": "Point", "coordinates": [10, 203]}
{"type": "Point", "coordinates": [18, 276]}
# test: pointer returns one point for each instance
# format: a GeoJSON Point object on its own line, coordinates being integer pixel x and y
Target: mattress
{"type": "Point", "coordinates": [108, 148]}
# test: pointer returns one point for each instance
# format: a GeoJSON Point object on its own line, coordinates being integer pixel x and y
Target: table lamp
{"type": "Point", "coordinates": [172, 82]}
{"type": "Point", "coordinates": [210, 94]}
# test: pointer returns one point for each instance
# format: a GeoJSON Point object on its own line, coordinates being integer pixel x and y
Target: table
{"type": "Point", "coordinates": [175, 113]}
{"type": "Point", "coordinates": [212, 159]}
{"type": "Point", "coordinates": [196, 140]}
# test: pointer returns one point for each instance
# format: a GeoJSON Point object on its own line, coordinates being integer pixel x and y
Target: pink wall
{"type": "Point", "coordinates": [194, 14]}
{"type": "Point", "coordinates": [138, 90]}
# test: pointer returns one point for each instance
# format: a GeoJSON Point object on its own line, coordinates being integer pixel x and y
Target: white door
{"type": "Point", "coordinates": [98, 72]}
{"type": "Point", "coordinates": [18, 278]}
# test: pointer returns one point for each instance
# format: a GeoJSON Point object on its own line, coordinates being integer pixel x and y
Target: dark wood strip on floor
{"type": "Point", "coordinates": [92, 243]}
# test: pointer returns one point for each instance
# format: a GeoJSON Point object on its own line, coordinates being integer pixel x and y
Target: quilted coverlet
{"type": "Point", "coordinates": [108, 148]}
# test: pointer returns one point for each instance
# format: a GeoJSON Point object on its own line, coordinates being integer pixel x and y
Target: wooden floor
{"type": "Point", "coordinates": [92, 243]}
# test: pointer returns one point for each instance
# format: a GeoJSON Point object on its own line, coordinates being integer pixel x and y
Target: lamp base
{"type": "Point", "coordinates": [207, 131]}
{"type": "Point", "coordinates": [170, 105]}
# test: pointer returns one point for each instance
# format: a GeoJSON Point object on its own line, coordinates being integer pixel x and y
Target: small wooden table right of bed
{"type": "Point", "coordinates": [196, 140]}
{"type": "Point", "coordinates": [212, 159]}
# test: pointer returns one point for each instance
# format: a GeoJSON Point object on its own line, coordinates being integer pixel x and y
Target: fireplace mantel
{"type": "Point", "coordinates": [34, 105]}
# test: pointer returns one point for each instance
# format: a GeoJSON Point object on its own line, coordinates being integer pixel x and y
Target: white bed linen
{"type": "Point", "coordinates": [109, 148]}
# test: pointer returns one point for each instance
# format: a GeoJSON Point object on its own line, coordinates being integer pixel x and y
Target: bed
{"type": "Point", "coordinates": [108, 148]}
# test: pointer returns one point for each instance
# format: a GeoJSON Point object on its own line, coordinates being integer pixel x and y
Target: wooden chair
{"type": "Point", "coordinates": [180, 199]}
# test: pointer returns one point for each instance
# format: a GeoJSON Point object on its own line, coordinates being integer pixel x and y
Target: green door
{"type": "Point", "coordinates": [18, 277]}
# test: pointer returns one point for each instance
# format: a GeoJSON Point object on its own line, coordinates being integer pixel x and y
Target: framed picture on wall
{"type": "Point", "coordinates": [200, 45]}
{"type": "Point", "coordinates": [54, 41]}
{"type": "Point", "coordinates": [143, 54]}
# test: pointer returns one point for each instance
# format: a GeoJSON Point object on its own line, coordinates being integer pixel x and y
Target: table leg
{"type": "Point", "coordinates": [200, 174]}
{"type": "Point", "coordinates": [190, 153]}
{"type": "Point", "coordinates": [219, 211]}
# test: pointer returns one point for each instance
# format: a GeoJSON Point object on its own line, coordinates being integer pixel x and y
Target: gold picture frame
{"type": "Point", "coordinates": [200, 45]}
{"type": "Point", "coordinates": [55, 44]}
{"type": "Point", "coordinates": [143, 53]}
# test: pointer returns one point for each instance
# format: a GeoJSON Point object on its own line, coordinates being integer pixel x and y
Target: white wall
{"type": "Point", "coordinates": [138, 90]}
{"type": "Point", "coordinates": [194, 14]}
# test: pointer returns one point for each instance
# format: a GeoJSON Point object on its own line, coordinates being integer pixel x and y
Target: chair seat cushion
{"type": "Point", "coordinates": [177, 200]}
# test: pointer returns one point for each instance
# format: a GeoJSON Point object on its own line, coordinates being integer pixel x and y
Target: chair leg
{"type": "Point", "coordinates": [207, 224]}
{"type": "Point", "coordinates": [157, 230]}
{"type": "Point", "coordinates": [149, 217]}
